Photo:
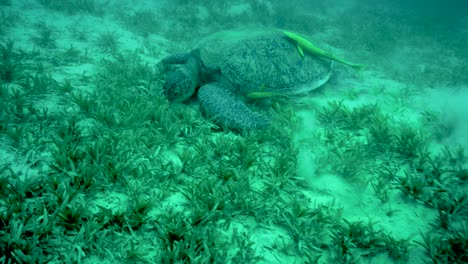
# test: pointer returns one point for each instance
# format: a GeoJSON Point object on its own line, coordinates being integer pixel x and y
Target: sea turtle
{"type": "Point", "coordinates": [229, 65]}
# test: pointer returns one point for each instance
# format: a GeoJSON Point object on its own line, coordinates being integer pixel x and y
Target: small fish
{"type": "Point", "coordinates": [305, 45]}
{"type": "Point", "coordinates": [260, 95]}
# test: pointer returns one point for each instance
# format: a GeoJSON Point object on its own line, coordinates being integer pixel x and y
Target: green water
{"type": "Point", "coordinates": [98, 166]}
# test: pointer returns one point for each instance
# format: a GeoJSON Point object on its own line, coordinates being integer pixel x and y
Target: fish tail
{"type": "Point", "coordinates": [357, 67]}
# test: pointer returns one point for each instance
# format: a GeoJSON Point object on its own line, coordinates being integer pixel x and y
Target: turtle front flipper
{"type": "Point", "coordinates": [219, 103]}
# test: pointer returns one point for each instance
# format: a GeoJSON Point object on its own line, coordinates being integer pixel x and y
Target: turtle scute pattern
{"type": "Point", "coordinates": [227, 65]}
{"type": "Point", "coordinates": [250, 60]}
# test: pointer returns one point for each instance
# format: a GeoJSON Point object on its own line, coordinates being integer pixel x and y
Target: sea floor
{"type": "Point", "coordinates": [96, 166]}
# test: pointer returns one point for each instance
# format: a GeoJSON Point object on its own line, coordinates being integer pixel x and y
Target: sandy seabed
{"type": "Point", "coordinates": [97, 166]}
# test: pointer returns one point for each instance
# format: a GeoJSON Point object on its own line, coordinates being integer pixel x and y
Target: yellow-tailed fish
{"type": "Point", "coordinates": [305, 45]}
{"type": "Point", "coordinates": [260, 95]}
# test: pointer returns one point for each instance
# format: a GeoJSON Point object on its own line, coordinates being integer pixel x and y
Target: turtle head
{"type": "Point", "coordinates": [183, 79]}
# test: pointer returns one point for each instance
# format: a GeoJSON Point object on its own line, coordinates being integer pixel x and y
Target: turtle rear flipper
{"type": "Point", "coordinates": [219, 103]}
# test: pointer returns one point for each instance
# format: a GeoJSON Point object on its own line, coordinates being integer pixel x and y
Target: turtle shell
{"type": "Point", "coordinates": [263, 60]}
